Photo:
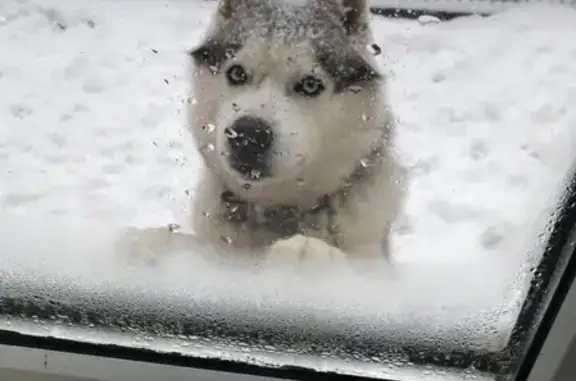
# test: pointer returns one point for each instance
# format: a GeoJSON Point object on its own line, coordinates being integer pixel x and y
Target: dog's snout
{"type": "Point", "coordinates": [249, 140]}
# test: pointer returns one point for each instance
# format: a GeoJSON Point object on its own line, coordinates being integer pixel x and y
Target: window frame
{"type": "Point", "coordinates": [533, 331]}
{"type": "Point", "coordinates": [443, 10]}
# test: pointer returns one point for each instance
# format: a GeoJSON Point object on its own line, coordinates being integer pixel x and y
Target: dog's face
{"type": "Point", "coordinates": [286, 96]}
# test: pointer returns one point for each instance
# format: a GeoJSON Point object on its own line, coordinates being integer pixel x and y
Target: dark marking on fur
{"type": "Point", "coordinates": [287, 221]}
{"type": "Point", "coordinates": [354, 16]}
{"type": "Point", "coordinates": [347, 71]}
{"type": "Point", "coordinates": [283, 220]}
{"type": "Point", "coordinates": [214, 54]}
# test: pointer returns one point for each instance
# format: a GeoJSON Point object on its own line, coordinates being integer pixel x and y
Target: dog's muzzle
{"type": "Point", "coordinates": [249, 142]}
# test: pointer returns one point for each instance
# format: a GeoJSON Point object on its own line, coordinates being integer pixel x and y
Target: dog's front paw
{"type": "Point", "coordinates": [144, 245]}
{"type": "Point", "coordinates": [303, 252]}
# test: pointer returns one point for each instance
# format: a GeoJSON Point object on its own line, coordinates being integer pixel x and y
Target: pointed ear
{"type": "Point", "coordinates": [353, 13]}
{"type": "Point", "coordinates": [227, 8]}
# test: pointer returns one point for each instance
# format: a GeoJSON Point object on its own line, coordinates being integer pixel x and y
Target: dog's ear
{"type": "Point", "coordinates": [227, 8]}
{"type": "Point", "coordinates": [353, 13]}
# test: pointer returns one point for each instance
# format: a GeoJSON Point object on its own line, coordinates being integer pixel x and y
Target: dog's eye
{"type": "Point", "coordinates": [236, 75]}
{"type": "Point", "coordinates": [309, 86]}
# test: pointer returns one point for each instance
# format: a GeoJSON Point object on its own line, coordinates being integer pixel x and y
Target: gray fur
{"type": "Point", "coordinates": [290, 23]}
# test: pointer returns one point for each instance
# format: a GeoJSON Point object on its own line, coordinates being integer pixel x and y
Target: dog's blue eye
{"type": "Point", "coordinates": [236, 75]}
{"type": "Point", "coordinates": [309, 86]}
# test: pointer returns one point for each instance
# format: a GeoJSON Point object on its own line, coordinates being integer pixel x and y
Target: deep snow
{"type": "Point", "coordinates": [92, 96]}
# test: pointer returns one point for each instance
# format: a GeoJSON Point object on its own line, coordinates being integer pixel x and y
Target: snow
{"type": "Point", "coordinates": [92, 96]}
{"type": "Point", "coordinates": [427, 19]}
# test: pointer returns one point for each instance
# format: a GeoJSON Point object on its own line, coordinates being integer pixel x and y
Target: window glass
{"type": "Point", "coordinates": [149, 114]}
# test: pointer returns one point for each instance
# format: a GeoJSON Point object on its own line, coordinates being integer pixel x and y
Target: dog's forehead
{"type": "Point", "coordinates": [283, 59]}
{"type": "Point", "coordinates": [290, 33]}
{"type": "Point", "coordinates": [284, 23]}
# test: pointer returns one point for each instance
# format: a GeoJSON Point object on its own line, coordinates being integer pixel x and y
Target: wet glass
{"type": "Point", "coordinates": [94, 137]}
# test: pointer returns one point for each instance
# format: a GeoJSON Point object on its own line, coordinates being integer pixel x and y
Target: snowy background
{"type": "Point", "coordinates": [92, 98]}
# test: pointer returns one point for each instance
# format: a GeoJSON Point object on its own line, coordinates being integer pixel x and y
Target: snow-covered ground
{"type": "Point", "coordinates": [92, 97]}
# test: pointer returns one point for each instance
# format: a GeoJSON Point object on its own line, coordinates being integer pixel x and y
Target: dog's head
{"type": "Point", "coordinates": [287, 98]}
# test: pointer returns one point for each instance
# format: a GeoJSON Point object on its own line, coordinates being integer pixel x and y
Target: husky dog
{"type": "Point", "coordinates": [290, 117]}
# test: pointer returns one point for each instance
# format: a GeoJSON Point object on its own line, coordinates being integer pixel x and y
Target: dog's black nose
{"type": "Point", "coordinates": [249, 140]}
{"type": "Point", "coordinates": [249, 137]}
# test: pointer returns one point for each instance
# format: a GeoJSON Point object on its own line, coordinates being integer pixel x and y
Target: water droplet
{"type": "Point", "coordinates": [374, 49]}
{"type": "Point", "coordinates": [235, 107]}
{"type": "Point", "coordinates": [173, 227]}
{"type": "Point", "coordinates": [255, 174]}
{"type": "Point", "coordinates": [230, 54]}
{"type": "Point", "coordinates": [226, 239]}
{"type": "Point", "coordinates": [230, 133]}
{"type": "Point", "coordinates": [364, 163]}
{"type": "Point", "coordinates": [246, 186]}
{"type": "Point", "coordinates": [205, 214]}
{"type": "Point", "coordinates": [364, 117]}
{"type": "Point", "coordinates": [300, 181]}
{"type": "Point", "coordinates": [209, 128]}
{"type": "Point", "coordinates": [208, 147]}
{"type": "Point", "coordinates": [355, 89]}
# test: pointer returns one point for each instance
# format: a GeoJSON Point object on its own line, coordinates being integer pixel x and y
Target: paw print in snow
{"type": "Point", "coordinates": [20, 111]}
{"type": "Point", "coordinates": [491, 238]}
{"type": "Point", "coordinates": [451, 212]}
{"type": "Point", "coordinates": [478, 150]}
